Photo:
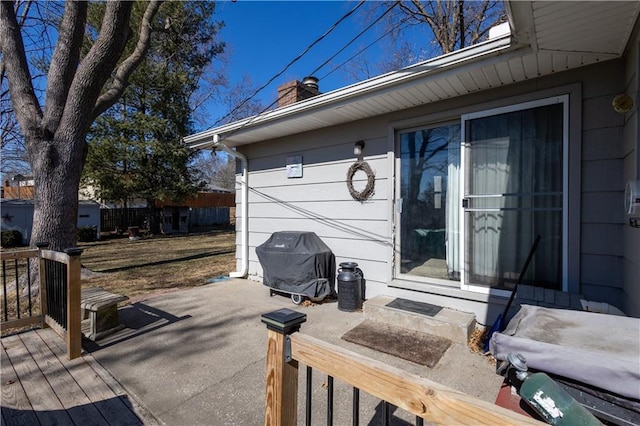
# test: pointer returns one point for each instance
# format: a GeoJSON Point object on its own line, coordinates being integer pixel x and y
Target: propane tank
{"type": "Point", "coordinates": [544, 395]}
{"type": "Point", "coordinates": [349, 287]}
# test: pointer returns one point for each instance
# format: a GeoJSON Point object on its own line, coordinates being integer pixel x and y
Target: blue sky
{"type": "Point", "coordinates": [264, 36]}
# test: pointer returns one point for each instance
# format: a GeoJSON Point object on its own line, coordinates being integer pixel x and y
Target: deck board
{"type": "Point", "coordinates": [69, 393]}
{"type": "Point", "coordinates": [111, 400]}
{"type": "Point", "coordinates": [44, 402]}
{"type": "Point", "coordinates": [16, 408]}
{"type": "Point", "coordinates": [40, 386]}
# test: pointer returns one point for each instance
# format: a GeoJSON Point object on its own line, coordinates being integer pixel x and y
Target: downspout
{"type": "Point", "coordinates": [244, 198]}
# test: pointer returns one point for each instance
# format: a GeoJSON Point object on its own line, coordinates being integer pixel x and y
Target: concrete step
{"type": "Point", "coordinates": [423, 317]}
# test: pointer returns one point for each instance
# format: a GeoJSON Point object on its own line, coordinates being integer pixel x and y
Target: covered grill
{"type": "Point", "coordinates": [298, 263]}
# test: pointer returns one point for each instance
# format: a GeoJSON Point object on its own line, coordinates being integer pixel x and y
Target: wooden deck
{"type": "Point", "coordinates": [40, 386]}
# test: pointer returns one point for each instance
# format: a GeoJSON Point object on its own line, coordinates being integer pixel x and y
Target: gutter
{"type": "Point", "coordinates": [244, 188]}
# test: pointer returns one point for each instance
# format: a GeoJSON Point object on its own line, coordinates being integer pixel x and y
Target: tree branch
{"type": "Point", "coordinates": [95, 69]}
{"type": "Point", "coordinates": [64, 63]}
{"type": "Point", "coordinates": [23, 98]}
{"type": "Point", "coordinates": [478, 32]}
{"type": "Point", "coordinates": [127, 67]}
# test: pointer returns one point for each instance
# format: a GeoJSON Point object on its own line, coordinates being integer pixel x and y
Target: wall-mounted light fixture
{"type": "Point", "coordinates": [357, 148]}
{"type": "Point", "coordinates": [622, 103]}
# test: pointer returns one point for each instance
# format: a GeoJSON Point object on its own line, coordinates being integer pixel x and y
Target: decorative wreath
{"type": "Point", "coordinates": [371, 179]}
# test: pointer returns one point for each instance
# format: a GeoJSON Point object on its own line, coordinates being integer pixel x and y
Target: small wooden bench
{"type": "Point", "coordinates": [100, 309]}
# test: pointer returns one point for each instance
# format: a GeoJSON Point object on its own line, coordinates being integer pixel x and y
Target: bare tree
{"type": "Point", "coordinates": [80, 85]}
{"type": "Point", "coordinates": [218, 169]}
{"type": "Point", "coordinates": [396, 56]}
{"type": "Point", "coordinates": [212, 83]}
{"type": "Point", "coordinates": [237, 99]}
{"type": "Point", "coordinates": [13, 154]}
{"type": "Point", "coordinates": [455, 24]}
{"type": "Point", "coordinates": [446, 25]}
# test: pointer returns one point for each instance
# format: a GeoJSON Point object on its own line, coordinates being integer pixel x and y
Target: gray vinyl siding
{"type": "Point", "coordinates": [603, 250]}
{"type": "Point", "coordinates": [631, 171]}
{"type": "Point", "coordinates": [602, 223]}
{"type": "Point", "coordinates": [319, 201]}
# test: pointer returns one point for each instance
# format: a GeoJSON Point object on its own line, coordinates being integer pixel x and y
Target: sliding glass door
{"type": "Point", "coordinates": [474, 195]}
{"type": "Point", "coordinates": [514, 192]}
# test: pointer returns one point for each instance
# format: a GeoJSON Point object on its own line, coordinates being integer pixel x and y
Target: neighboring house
{"type": "Point", "coordinates": [472, 154]}
{"type": "Point", "coordinates": [18, 215]}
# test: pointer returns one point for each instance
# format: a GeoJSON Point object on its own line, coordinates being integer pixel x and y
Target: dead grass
{"type": "Point", "coordinates": [136, 269]}
{"type": "Point", "coordinates": [157, 264]}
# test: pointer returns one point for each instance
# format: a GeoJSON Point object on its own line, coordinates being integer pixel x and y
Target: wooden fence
{"type": "Point", "coordinates": [427, 400]}
{"type": "Point", "coordinates": [120, 219]}
{"type": "Point", "coordinates": [202, 199]}
{"type": "Point", "coordinates": [56, 304]}
{"type": "Point", "coordinates": [25, 192]}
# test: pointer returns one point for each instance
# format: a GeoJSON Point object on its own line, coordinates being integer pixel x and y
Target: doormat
{"type": "Point", "coordinates": [421, 348]}
{"type": "Point", "coordinates": [416, 307]}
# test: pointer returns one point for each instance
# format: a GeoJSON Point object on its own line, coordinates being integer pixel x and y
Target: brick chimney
{"type": "Point", "coordinates": [295, 91]}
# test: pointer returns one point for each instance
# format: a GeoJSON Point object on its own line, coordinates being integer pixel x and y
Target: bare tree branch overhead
{"type": "Point", "coordinates": [443, 26]}
{"type": "Point", "coordinates": [455, 24]}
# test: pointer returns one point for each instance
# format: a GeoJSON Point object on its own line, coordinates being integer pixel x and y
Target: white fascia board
{"type": "Point", "coordinates": [368, 87]}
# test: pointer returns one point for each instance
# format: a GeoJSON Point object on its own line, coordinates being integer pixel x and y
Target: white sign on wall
{"type": "Point", "coordinates": [294, 166]}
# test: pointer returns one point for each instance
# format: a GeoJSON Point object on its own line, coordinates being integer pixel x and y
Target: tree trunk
{"type": "Point", "coordinates": [59, 165]}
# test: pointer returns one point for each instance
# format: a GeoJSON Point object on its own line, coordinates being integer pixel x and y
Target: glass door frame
{"type": "Point", "coordinates": [398, 205]}
{"type": "Point", "coordinates": [567, 96]}
{"type": "Point", "coordinates": [465, 146]}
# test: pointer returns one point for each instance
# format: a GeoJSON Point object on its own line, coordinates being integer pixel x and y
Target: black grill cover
{"type": "Point", "coordinates": [298, 262]}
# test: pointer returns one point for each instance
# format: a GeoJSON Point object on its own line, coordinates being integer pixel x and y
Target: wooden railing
{"type": "Point", "coordinates": [19, 309]}
{"type": "Point", "coordinates": [426, 399]}
{"type": "Point", "coordinates": [56, 303]}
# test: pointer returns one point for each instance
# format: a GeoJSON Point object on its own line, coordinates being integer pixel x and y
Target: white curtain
{"type": "Point", "coordinates": [452, 206]}
{"type": "Point", "coordinates": [490, 171]}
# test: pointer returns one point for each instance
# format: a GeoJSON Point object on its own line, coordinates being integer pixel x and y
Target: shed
{"type": "Point", "coordinates": [175, 220]}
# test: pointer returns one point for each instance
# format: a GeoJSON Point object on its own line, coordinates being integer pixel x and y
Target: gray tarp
{"type": "Point", "coordinates": [598, 350]}
{"type": "Point", "coordinates": [298, 262]}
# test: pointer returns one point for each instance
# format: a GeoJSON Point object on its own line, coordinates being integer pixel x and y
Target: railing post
{"type": "Point", "coordinates": [43, 284]}
{"type": "Point", "coordinates": [281, 399]}
{"type": "Point", "coordinates": [74, 332]}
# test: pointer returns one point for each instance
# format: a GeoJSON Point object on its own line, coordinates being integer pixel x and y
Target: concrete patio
{"type": "Point", "coordinates": [197, 356]}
